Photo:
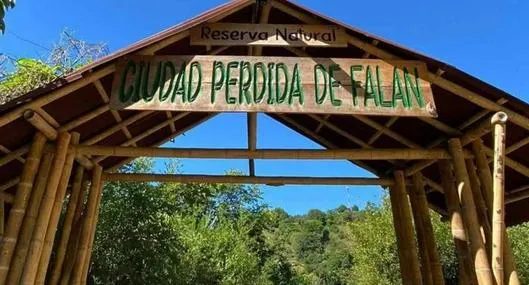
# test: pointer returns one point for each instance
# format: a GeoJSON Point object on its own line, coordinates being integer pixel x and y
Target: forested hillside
{"type": "Point", "coordinates": [224, 234]}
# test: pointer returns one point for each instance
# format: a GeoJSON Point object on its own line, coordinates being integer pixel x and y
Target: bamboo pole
{"type": "Point", "coordinates": [404, 228]}
{"type": "Point", "coordinates": [481, 207]}
{"type": "Point", "coordinates": [73, 243]}
{"type": "Point", "coordinates": [418, 198]}
{"type": "Point", "coordinates": [16, 214]}
{"type": "Point", "coordinates": [75, 196]}
{"type": "Point", "coordinates": [426, 268]}
{"type": "Point", "coordinates": [45, 209]}
{"type": "Point", "coordinates": [481, 262]}
{"type": "Point", "coordinates": [498, 121]}
{"type": "Point", "coordinates": [87, 226]}
{"type": "Point", "coordinates": [40, 124]}
{"type": "Point", "coordinates": [2, 216]}
{"type": "Point", "coordinates": [226, 179]}
{"type": "Point", "coordinates": [86, 265]}
{"type": "Point", "coordinates": [28, 225]}
{"type": "Point", "coordinates": [459, 232]}
{"type": "Point", "coordinates": [511, 274]}
{"type": "Point", "coordinates": [55, 214]}
{"type": "Point", "coordinates": [350, 154]}
{"type": "Point", "coordinates": [405, 270]}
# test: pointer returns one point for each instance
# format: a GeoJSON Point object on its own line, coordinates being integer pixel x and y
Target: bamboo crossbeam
{"type": "Point", "coordinates": [171, 123]}
{"type": "Point", "coordinates": [18, 210]}
{"type": "Point", "coordinates": [28, 224]}
{"type": "Point", "coordinates": [45, 209]}
{"type": "Point", "coordinates": [340, 131]}
{"type": "Point", "coordinates": [459, 232]}
{"type": "Point", "coordinates": [68, 223]}
{"type": "Point", "coordinates": [11, 183]}
{"type": "Point", "coordinates": [498, 121]}
{"type": "Point", "coordinates": [84, 239]}
{"type": "Point", "coordinates": [99, 137]}
{"type": "Point", "coordinates": [327, 154]}
{"type": "Point", "coordinates": [321, 125]}
{"type": "Point", "coordinates": [7, 151]}
{"type": "Point", "coordinates": [517, 145]}
{"type": "Point", "coordinates": [53, 223]}
{"type": "Point", "coordinates": [84, 118]}
{"type": "Point", "coordinates": [481, 262]}
{"type": "Point", "coordinates": [479, 115]}
{"type": "Point", "coordinates": [16, 154]}
{"type": "Point", "coordinates": [377, 135]}
{"type": "Point", "coordinates": [40, 124]}
{"type": "Point", "coordinates": [268, 180]}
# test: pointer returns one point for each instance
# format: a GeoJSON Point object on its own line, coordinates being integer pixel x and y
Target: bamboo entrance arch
{"type": "Point", "coordinates": [65, 140]}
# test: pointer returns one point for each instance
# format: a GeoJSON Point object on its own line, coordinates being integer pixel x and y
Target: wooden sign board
{"type": "Point", "coordinates": [273, 84]}
{"type": "Point", "coordinates": [227, 34]}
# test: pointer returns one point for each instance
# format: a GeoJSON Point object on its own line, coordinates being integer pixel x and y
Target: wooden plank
{"type": "Point", "coordinates": [244, 34]}
{"type": "Point", "coordinates": [268, 180]}
{"type": "Point", "coordinates": [273, 84]}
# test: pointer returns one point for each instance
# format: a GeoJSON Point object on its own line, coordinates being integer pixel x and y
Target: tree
{"type": "Point", "coordinates": [4, 6]}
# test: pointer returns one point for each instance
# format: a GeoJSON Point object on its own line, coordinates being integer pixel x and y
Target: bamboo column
{"type": "Point", "coordinates": [56, 213]}
{"type": "Point", "coordinates": [2, 216]}
{"type": "Point", "coordinates": [86, 265]}
{"type": "Point", "coordinates": [18, 209]}
{"type": "Point", "coordinates": [426, 268]}
{"type": "Point", "coordinates": [28, 225]}
{"type": "Point", "coordinates": [499, 121]}
{"type": "Point", "coordinates": [404, 231]}
{"type": "Point", "coordinates": [481, 207]}
{"type": "Point", "coordinates": [87, 226]}
{"type": "Point", "coordinates": [511, 275]}
{"type": "Point", "coordinates": [73, 243]}
{"type": "Point", "coordinates": [75, 196]}
{"type": "Point", "coordinates": [459, 232]}
{"type": "Point", "coordinates": [420, 206]}
{"type": "Point", "coordinates": [35, 248]}
{"type": "Point", "coordinates": [481, 262]}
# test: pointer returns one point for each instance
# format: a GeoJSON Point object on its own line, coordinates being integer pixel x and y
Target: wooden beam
{"type": "Point", "coordinates": [377, 135]}
{"type": "Point", "coordinates": [18, 210]}
{"type": "Point", "coordinates": [340, 131]}
{"type": "Point", "coordinates": [8, 151]}
{"type": "Point", "coordinates": [108, 132]}
{"type": "Point", "coordinates": [349, 154]}
{"type": "Point", "coordinates": [84, 118]}
{"type": "Point", "coordinates": [479, 115]}
{"type": "Point", "coordinates": [268, 180]}
{"type": "Point", "coordinates": [321, 125]}
{"type": "Point", "coordinates": [252, 139]}
{"type": "Point", "coordinates": [171, 122]}
{"type": "Point", "coordinates": [396, 136]}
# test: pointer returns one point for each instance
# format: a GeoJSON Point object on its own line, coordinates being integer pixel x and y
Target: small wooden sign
{"type": "Point", "coordinates": [228, 34]}
{"type": "Point", "coordinates": [273, 84]}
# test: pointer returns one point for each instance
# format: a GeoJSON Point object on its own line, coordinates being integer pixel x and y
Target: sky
{"type": "Point", "coordinates": [488, 39]}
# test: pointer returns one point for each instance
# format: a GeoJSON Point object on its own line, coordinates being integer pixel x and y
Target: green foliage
{"type": "Point", "coordinates": [223, 234]}
{"type": "Point", "coordinates": [519, 238]}
{"type": "Point", "coordinates": [30, 74]}
{"type": "Point", "coordinates": [4, 6]}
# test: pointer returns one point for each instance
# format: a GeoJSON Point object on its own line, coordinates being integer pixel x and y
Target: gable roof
{"type": "Point", "coordinates": [78, 103]}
